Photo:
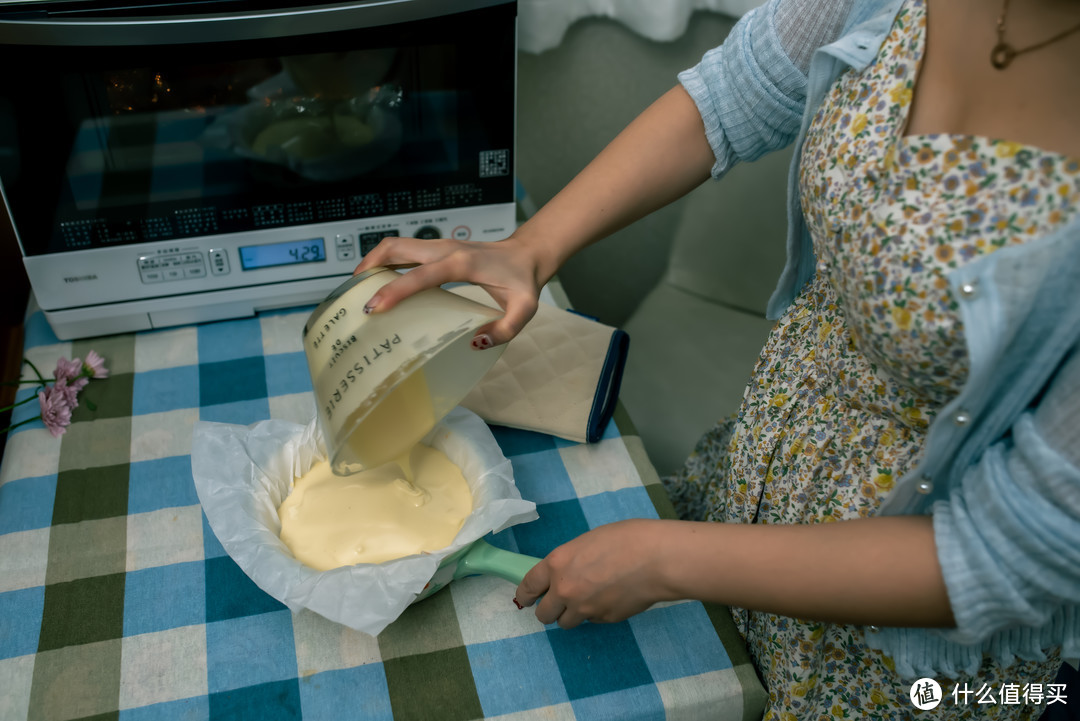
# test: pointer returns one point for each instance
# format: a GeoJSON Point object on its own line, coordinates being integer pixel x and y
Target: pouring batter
{"type": "Point", "coordinates": [376, 515]}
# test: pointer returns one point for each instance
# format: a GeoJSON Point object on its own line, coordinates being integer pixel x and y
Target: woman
{"type": "Point", "coordinates": [902, 481]}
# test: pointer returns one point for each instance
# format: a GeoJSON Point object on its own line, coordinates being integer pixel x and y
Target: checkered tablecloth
{"type": "Point", "coordinates": [117, 601]}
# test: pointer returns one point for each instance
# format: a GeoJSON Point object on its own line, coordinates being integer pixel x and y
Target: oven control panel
{"type": "Point", "coordinates": [177, 263]}
{"type": "Point", "coordinates": [263, 264]}
{"type": "Point", "coordinates": [164, 268]}
{"type": "Point", "coordinates": [193, 263]}
{"type": "Point", "coordinates": [155, 285]}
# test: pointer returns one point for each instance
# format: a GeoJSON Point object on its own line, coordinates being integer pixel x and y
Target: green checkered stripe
{"type": "Point", "coordinates": [117, 601]}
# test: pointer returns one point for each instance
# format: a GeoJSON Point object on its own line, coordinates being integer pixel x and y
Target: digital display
{"type": "Point", "coordinates": [287, 253]}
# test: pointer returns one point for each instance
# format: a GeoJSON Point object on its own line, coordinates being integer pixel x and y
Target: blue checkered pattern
{"type": "Point", "coordinates": [181, 159]}
{"type": "Point", "coordinates": [113, 584]}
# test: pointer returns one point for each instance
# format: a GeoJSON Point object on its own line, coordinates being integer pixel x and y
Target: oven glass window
{"type": "Point", "coordinates": [106, 146]}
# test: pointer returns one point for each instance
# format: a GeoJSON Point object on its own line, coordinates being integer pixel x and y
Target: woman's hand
{"type": "Point", "coordinates": [888, 574]}
{"type": "Point", "coordinates": [606, 575]}
{"type": "Point", "coordinates": [506, 269]}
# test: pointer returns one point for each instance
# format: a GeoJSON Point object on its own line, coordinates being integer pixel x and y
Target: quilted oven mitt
{"type": "Point", "coordinates": [559, 376]}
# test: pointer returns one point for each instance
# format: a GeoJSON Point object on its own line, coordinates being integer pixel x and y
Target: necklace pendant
{"type": "Point", "coordinates": [1002, 55]}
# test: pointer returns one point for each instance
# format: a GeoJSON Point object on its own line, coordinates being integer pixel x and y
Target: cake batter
{"type": "Point", "coordinates": [415, 505]}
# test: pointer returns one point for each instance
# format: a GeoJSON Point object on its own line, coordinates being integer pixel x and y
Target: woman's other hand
{"type": "Point", "coordinates": [506, 269]}
{"type": "Point", "coordinates": [606, 575]}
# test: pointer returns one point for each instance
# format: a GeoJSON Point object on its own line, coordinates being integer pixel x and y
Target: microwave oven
{"type": "Point", "coordinates": [166, 163]}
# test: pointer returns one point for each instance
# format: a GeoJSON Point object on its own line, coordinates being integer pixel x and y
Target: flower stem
{"type": "Point", "coordinates": [16, 405]}
{"type": "Point", "coordinates": [21, 423]}
{"type": "Point", "coordinates": [30, 363]}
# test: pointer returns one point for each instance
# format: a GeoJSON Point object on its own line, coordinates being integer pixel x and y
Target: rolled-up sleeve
{"type": "Point", "coordinates": [1009, 537]}
{"type": "Point", "coordinates": [1008, 541]}
{"type": "Point", "coordinates": [749, 92]}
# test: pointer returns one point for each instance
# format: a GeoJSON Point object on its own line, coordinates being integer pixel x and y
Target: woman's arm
{"type": "Point", "coordinates": [743, 100]}
{"type": "Point", "coordinates": [880, 571]}
{"type": "Point", "coordinates": [1002, 552]}
{"type": "Point", "coordinates": [660, 156]}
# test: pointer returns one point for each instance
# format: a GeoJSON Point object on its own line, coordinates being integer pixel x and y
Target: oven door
{"type": "Point", "coordinates": [151, 159]}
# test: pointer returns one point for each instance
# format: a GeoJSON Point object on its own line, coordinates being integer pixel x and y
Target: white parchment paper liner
{"type": "Point", "coordinates": [243, 473]}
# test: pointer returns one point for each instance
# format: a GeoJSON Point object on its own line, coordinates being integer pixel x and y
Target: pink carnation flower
{"type": "Point", "coordinates": [55, 411]}
{"type": "Point", "coordinates": [71, 390]}
{"type": "Point", "coordinates": [95, 365]}
{"type": "Point", "coordinates": [67, 369]}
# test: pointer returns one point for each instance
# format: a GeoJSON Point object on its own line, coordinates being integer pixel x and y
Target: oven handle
{"type": "Point", "coordinates": [37, 28]}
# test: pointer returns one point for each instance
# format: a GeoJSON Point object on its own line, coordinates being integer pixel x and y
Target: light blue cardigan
{"type": "Point", "coordinates": [1001, 467]}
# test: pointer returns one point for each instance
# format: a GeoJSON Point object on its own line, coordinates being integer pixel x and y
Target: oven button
{"type": "Point", "coordinates": [428, 232]}
{"type": "Point", "coordinates": [149, 269]}
{"type": "Point", "coordinates": [174, 273]}
{"type": "Point", "coordinates": [195, 271]}
{"type": "Point", "coordinates": [219, 262]}
{"type": "Point", "coordinates": [462, 232]}
{"type": "Point", "coordinates": [345, 248]}
{"type": "Point", "coordinates": [368, 241]}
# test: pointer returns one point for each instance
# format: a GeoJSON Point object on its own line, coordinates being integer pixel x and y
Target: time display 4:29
{"type": "Point", "coordinates": [291, 252]}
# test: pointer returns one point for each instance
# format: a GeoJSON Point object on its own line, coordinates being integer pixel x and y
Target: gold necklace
{"type": "Point", "coordinates": [1003, 53]}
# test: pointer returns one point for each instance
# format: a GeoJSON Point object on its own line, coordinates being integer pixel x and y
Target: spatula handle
{"type": "Point", "coordinates": [484, 558]}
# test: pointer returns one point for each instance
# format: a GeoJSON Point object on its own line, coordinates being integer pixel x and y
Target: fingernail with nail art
{"type": "Point", "coordinates": [518, 604]}
{"type": "Point", "coordinates": [481, 342]}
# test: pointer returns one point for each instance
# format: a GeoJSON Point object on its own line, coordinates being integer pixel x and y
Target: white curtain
{"type": "Point", "coordinates": [542, 23]}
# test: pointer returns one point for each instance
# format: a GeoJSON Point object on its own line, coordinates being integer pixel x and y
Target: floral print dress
{"type": "Point", "coordinates": [839, 402]}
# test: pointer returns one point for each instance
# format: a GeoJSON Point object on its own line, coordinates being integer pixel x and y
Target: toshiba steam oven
{"type": "Point", "coordinates": [164, 163]}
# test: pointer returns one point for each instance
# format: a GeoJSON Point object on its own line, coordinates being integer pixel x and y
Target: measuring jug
{"type": "Point", "coordinates": [382, 381]}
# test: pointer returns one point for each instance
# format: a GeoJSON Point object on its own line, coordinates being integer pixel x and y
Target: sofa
{"type": "Point", "coordinates": [690, 281]}
{"type": "Point", "coordinates": [696, 335]}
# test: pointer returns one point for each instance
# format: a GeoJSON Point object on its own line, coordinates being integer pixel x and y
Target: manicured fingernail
{"type": "Point", "coordinates": [481, 342]}
{"type": "Point", "coordinates": [370, 306]}
{"type": "Point", "coordinates": [518, 604]}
